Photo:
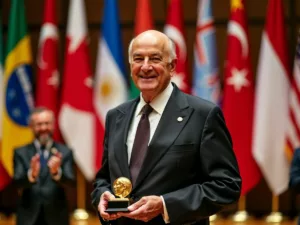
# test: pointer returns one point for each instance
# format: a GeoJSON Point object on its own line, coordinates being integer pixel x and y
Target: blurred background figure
{"type": "Point", "coordinates": [41, 169]}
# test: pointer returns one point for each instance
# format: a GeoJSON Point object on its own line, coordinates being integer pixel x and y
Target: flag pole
{"type": "Point", "coordinates": [241, 215]}
{"type": "Point", "coordinates": [275, 216]}
{"type": "Point", "coordinates": [80, 213]}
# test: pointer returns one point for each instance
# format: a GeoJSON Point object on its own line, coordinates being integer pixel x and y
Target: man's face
{"type": "Point", "coordinates": [150, 67]}
{"type": "Point", "coordinates": [42, 125]}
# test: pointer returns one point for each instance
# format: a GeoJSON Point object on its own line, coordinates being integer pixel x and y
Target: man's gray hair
{"type": "Point", "coordinates": [38, 110]}
{"type": "Point", "coordinates": [171, 47]}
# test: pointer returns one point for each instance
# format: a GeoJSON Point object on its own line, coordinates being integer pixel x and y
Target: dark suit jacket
{"type": "Point", "coordinates": [190, 163]}
{"type": "Point", "coordinates": [295, 172]}
{"type": "Point", "coordinates": [294, 182]}
{"type": "Point", "coordinates": [46, 192]}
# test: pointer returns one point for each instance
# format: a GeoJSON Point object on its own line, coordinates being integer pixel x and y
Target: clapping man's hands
{"type": "Point", "coordinates": [54, 163]}
{"type": "Point", "coordinates": [35, 166]}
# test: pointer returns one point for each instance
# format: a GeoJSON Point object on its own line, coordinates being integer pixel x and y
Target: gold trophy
{"type": "Point", "coordinates": [122, 188]}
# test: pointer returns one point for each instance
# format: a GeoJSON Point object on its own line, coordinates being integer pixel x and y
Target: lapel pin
{"type": "Point", "coordinates": [54, 151]}
{"type": "Point", "coordinates": [179, 119]}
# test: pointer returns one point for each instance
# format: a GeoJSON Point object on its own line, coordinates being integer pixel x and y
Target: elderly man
{"type": "Point", "coordinates": [41, 170]}
{"type": "Point", "coordinates": [175, 148]}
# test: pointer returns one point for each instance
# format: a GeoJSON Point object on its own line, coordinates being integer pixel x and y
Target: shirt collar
{"type": "Point", "coordinates": [37, 144]}
{"type": "Point", "coordinates": [159, 102]}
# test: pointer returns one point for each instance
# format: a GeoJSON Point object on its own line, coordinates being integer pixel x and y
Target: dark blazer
{"type": "Point", "coordinates": [294, 182]}
{"type": "Point", "coordinates": [295, 172]}
{"type": "Point", "coordinates": [190, 163]}
{"type": "Point", "coordinates": [46, 192]}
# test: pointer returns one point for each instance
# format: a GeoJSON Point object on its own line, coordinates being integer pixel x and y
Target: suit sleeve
{"type": "Point", "coordinates": [294, 182]}
{"type": "Point", "coordinates": [102, 180]}
{"type": "Point", "coordinates": [20, 177]}
{"type": "Point", "coordinates": [220, 182]}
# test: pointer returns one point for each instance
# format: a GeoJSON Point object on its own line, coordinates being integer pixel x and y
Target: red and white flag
{"type": "Point", "coordinates": [77, 117]}
{"type": "Point", "coordinates": [271, 101]}
{"type": "Point", "coordinates": [48, 76]}
{"type": "Point", "coordinates": [174, 30]}
{"type": "Point", "coordinates": [238, 98]}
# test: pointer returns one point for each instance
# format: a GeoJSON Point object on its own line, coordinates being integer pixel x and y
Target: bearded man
{"type": "Point", "coordinates": [41, 171]}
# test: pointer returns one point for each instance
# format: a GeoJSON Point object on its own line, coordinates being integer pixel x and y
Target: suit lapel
{"type": "Point", "coordinates": [169, 127]}
{"type": "Point", "coordinates": [120, 137]}
{"type": "Point", "coordinates": [31, 151]}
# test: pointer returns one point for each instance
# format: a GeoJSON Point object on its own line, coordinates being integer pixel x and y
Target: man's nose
{"type": "Point", "coordinates": [146, 65]}
{"type": "Point", "coordinates": [44, 126]}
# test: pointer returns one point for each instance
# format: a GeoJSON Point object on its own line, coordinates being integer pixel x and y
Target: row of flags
{"type": "Point", "coordinates": [263, 119]}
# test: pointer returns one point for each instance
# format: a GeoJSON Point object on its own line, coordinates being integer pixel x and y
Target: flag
{"type": "Point", "coordinates": [174, 30]}
{"type": "Point", "coordinates": [293, 127]}
{"type": "Point", "coordinates": [48, 76]}
{"type": "Point", "coordinates": [238, 96]}
{"type": "Point", "coordinates": [4, 177]}
{"type": "Point", "coordinates": [271, 101]}
{"type": "Point", "coordinates": [77, 116]}
{"type": "Point", "coordinates": [18, 99]}
{"type": "Point", "coordinates": [206, 82]}
{"type": "Point", "coordinates": [110, 80]}
{"type": "Point", "coordinates": [144, 21]}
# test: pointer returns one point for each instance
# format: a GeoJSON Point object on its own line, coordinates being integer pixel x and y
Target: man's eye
{"type": "Point", "coordinates": [155, 59]}
{"type": "Point", "coordinates": [138, 59]}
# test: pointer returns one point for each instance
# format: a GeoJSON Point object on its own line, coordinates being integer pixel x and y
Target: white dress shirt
{"type": "Point", "coordinates": [158, 104]}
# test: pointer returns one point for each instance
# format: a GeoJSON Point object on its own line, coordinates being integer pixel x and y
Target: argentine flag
{"type": "Point", "coordinates": [110, 79]}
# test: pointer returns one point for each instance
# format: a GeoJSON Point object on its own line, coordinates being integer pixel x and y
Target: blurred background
{"type": "Point", "coordinates": [205, 59]}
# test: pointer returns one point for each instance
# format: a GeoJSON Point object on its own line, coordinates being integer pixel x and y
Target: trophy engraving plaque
{"type": "Point", "coordinates": [122, 188]}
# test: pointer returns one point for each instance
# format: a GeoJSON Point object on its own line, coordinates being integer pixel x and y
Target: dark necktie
{"type": "Point", "coordinates": [140, 144]}
{"type": "Point", "coordinates": [43, 159]}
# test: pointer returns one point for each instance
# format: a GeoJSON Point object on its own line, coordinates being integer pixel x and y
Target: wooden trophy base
{"type": "Point", "coordinates": [117, 205]}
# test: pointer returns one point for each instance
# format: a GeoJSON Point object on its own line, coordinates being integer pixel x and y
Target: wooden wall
{"type": "Point", "coordinates": [259, 199]}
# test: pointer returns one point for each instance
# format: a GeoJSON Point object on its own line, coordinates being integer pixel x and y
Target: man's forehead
{"type": "Point", "coordinates": [149, 40]}
{"type": "Point", "coordinates": [42, 115]}
{"type": "Point", "coordinates": [151, 47]}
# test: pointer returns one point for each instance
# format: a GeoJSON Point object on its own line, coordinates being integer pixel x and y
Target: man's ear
{"type": "Point", "coordinates": [172, 65]}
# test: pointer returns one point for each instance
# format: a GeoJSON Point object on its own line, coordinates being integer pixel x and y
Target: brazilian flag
{"type": "Point", "coordinates": [18, 97]}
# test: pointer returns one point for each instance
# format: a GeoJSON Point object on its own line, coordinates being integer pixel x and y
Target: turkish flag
{"type": "Point", "coordinates": [77, 116]}
{"type": "Point", "coordinates": [238, 95]}
{"type": "Point", "coordinates": [174, 30]}
{"type": "Point", "coordinates": [48, 76]}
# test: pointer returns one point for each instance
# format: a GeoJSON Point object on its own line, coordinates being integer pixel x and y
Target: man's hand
{"type": "Point", "coordinates": [54, 163]}
{"type": "Point", "coordinates": [35, 166]}
{"type": "Point", "coordinates": [103, 206]}
{"type": "Point", "coordinates": [145, 209]}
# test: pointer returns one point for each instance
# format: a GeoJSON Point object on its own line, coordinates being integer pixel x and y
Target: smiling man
{"type": "Point", "coordinates": [175, 148]}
